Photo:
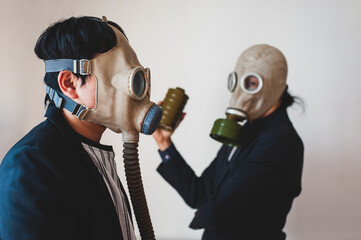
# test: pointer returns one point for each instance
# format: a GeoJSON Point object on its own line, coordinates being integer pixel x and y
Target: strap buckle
{"type": "Point", "coordinates": [80, 111]}
{"type": "Point", "coordinates": [82, 66]}
{"type": "Point", "coordinates": [60, 100]}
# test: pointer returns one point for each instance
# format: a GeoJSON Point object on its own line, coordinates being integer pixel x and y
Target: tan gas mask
{"type": "Point", "coordinates": [123, 91]}
{"type": "Point", "coordinates": [257, 83]}
{"type": "Point", "coordinates": [122, 105]}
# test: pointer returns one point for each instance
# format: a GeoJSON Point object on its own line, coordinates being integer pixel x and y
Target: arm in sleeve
{"type": "Point", "coordinates": [266, 180]}
{"type": "Point", "coordinates": [194, 190]}
{"type": "Point", "coordinates": [31, 197]}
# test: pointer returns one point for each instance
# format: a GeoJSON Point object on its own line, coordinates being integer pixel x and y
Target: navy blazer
{"type": "Point", "coordinates": [249, 196]}
{"type": "Point", "coordinates": [50, 188]}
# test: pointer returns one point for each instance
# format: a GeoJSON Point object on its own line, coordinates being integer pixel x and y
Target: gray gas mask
{"type": "Point", "coordinates": [256, 84]}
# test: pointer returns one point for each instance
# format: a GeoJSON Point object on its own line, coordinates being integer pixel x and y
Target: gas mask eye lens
{"type": "Point", "coordinates": [139, 84]}
{"type": "Point", "coordinates": [232, 81]}
{"type": "Point", "coordinates": [251, 83]}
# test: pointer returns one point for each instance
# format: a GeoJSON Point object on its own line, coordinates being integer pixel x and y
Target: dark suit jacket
{"type": "Point", "coordinates": [50, 188]}
{"type": "Point", "coordinates": [250, 196]}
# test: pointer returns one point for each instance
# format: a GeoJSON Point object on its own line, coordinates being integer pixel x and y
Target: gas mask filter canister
{"type": "Point", "coordinates": [173, 105]}
{"type": "Point", "coordinates": [263, 73]}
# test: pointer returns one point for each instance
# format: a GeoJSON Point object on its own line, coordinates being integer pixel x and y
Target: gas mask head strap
{"type": "Point", "coordinates": [81, 67]}
{"type": "Point", "coordinates": [60, 100]}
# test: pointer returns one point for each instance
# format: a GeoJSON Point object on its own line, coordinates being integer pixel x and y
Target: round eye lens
{"type": "Point", "coordinates": [251, 83]}
{"type": "Point", "coordinates": [139, 84]}
{"type": "Point", "coordinates": [232, 81]}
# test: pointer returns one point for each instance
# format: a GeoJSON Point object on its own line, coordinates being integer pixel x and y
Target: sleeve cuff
{"type": "Point", "coordinates": [168, 153]}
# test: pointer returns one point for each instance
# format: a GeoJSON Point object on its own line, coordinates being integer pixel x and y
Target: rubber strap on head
{"type": "Point", "coordinates": [62, 101]}
{"type": "Point", "coordinates": [81, 67]}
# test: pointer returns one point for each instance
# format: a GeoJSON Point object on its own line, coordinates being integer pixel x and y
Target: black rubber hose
{"type": "Point", "coordinates": [136, 190]}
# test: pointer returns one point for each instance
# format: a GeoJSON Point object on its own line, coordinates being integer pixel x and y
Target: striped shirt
{"type": "Point", "coordinates": [103, 158]}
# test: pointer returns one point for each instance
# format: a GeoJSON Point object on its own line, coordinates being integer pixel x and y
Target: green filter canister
{"type": "Point", "coordinates": [173, 105]}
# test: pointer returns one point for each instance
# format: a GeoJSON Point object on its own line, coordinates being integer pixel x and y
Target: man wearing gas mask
{"type": "Point", "coordinates": [248, 189]}
{"type": "Point", "coordinates": [59, 182]}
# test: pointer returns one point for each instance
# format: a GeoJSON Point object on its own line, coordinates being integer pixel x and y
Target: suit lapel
{"type": "Point", "coordinates": [224, 167]}
{"type": "Point", "coordinates": [57, 119]}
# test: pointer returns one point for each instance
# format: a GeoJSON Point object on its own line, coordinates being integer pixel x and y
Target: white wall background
{"type": "Point", "coordinates": [194, 45]}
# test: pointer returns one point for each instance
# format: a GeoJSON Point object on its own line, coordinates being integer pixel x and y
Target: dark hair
{"type": "Point", "coordinates": [74, 38]}
{"type": "Point", "coordinates": [288, 100]}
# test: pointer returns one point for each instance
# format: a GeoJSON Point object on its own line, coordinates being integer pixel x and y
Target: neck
{"type": "Point", "coordinates": [270, 111]}
{"type": "Point", "coordinates": [89, 130]}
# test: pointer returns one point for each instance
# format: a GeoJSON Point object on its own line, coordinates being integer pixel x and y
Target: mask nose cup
{"type": "Point", "coordinates": [227, 132]}
{"type": "Point", "coordinates": [152, 119]}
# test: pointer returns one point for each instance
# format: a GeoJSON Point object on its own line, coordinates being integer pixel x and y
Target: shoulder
{"type": "Point", "coordinates": [281, 134]}
{"type": "Point", "coordinates": [278, 143]}
{"type": "Point", "coordinates": [278, 130]}
{"type": "Point", "coordinates": [41, 136]}
{"type": "Point", "coordinates": [42, 148]}
{"type": "Point", "coordinates": [35, 176]}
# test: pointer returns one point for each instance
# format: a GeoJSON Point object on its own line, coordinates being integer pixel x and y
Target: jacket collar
{"type": "Point", "coordinates": [253, 130]}
{"type": "Point", "coordinates": [55, 116]}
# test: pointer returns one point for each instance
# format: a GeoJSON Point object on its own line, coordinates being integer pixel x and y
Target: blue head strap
{"type": "Point", "coordinates": [81, 66]}
{"type": "Point", "coordinates": [60, 100]}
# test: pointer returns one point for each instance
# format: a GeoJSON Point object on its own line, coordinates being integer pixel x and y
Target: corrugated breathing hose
{"type": "Point", "coordinates": [136, 190]}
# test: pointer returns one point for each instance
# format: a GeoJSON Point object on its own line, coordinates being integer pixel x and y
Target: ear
{"type": "Point", "coordinates": [67, 82]}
